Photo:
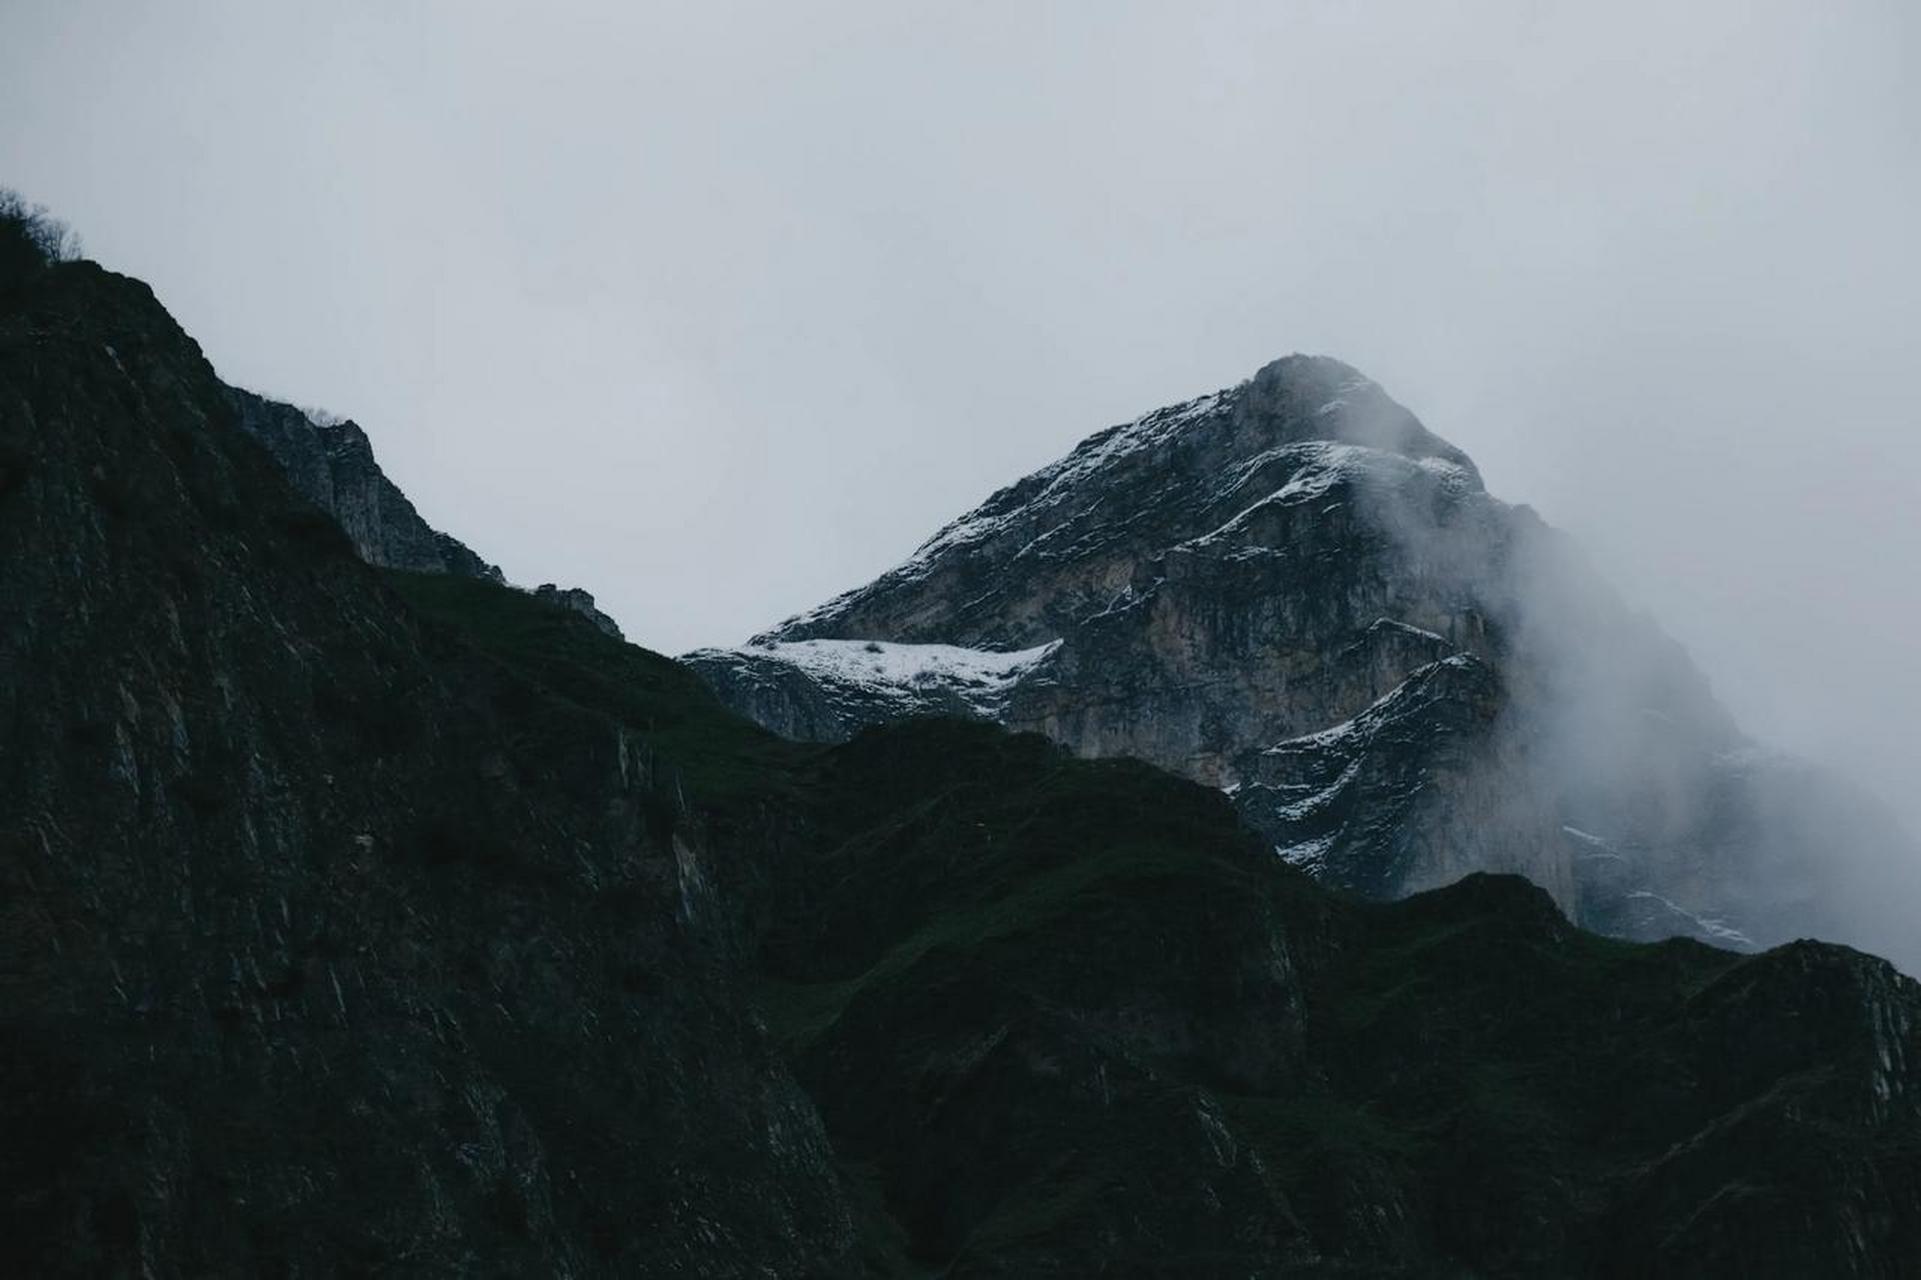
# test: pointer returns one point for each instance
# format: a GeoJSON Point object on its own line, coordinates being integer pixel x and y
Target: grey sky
{"type": "Point", "coordinates": [718, 309]}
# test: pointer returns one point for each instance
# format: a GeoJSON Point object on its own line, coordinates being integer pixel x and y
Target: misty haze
{"type": "Point", "coordinates": [863, 640]}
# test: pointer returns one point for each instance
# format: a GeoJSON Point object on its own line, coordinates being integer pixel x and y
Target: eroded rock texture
{"type": "Point", "coordinates": [332, 465]}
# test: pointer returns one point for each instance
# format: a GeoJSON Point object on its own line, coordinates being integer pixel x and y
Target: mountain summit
{"type": "Point", "coordinates": [1294, 591]}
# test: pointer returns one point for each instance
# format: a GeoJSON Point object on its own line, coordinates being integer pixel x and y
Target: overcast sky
{"type": "Point", "coordinates": [718, 309]}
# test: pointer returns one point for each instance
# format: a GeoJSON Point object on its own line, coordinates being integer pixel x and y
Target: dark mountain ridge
{"type": "Point", "coordinates": [403, 923]}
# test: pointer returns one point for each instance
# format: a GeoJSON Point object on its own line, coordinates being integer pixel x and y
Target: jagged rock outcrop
{"type": "Point", "coordinates": [1293, 590]}
{"type": "Point", "coordinates": [582, 603]}
{"type": "Point", "coordinates": [332, 465]}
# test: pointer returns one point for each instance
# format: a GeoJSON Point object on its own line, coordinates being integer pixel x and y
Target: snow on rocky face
{"type": "Point", "coordinates": [1292, 590]}
{"type": "Point", "coordinates": [827, 690]}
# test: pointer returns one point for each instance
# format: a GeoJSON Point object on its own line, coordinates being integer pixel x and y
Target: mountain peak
{"type": "Point", "coordinates": [1294, 591]}
{"type": "Point", "coordinates": [1062, 542]}
{"type": "Point", "coordinates": [1302, 397]}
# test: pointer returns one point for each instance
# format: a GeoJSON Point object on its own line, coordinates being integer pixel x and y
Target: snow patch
{"type": "Point", "coordinates": [1320, 467]}
{"type": "Point", "coordinates": [895, 679]}
{"type": "Point", "coordinates": [1595, 848]}
{"type": "Point", "coordinates": [1407, 628]}
{"type": "Point", "coordinates": [1312, 803]}
{"type": "Point", "coordinates": [1452, 475]}
{"type": "Point", "coordinates": [1709, 926]}
{"type": "Point", "coordinates": [909, 665]}
{"type": "Point", "coordinates": [1309, 855]}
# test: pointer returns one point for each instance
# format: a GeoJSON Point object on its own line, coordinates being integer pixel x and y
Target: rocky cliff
{"type": "Point", "coordinates": [331, 464]}
{"type": "Point", "coordinates": [1294, 591]}
{"type": "Point", "coordinates": [405, 923]}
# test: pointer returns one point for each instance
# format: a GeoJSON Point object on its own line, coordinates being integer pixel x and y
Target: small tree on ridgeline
{"type": "Point", "coordinates": [31, 239]}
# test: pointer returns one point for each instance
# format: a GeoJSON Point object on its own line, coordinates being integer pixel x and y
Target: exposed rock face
{"type": "Point", "coordinates": [332, 465]}
{"type": "Point", "coordinates": [1294, 591]}
{"type": "Point", "coordinates": [580, 602]}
